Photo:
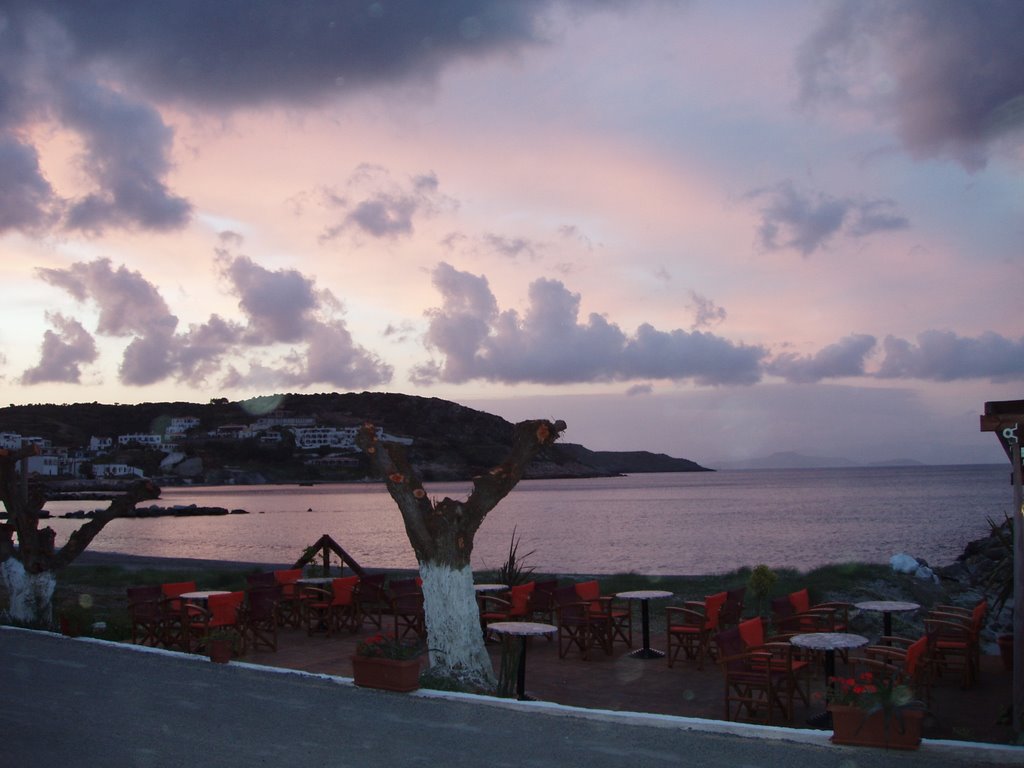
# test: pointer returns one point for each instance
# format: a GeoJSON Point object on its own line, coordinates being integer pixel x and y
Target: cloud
{"type": "Point", "coordinates": [387, 209]}
{"type": "Point", "coordinates": [846, 357]}
{"type": "Point", "coordinates": [63, 352]}
{"type": "Point", "coordinates": [105, 71]}
{"type": "Point", "coordinates": [27, 201]}
{"type": "Point", "coordinates": [807, 221]}
{"type": "Point", "coordinates": [279, 307]}
{"type": "Point", "coordinates": [948, 73]}
{"type": "Point", "coordinates": [127, 302]}
{"type": "Point", "coordinates": [706, 312]}
{"type": "Point", "coordinates": [548, 344]}
{"type": "Point", "coordinates": [944, 356]}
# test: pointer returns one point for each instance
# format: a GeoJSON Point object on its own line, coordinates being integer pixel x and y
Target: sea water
{"type": "Point", "coordinates": [667, 523]}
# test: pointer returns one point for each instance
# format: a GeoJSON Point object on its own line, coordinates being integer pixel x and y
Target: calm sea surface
{"type": "Point", "coordinates": [696, 523]}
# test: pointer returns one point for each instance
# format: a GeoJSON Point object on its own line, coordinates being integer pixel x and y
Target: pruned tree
{"type": "Point", "coordinates": [29, 566]}
{"type": "Point", "coordinates": [441, 534]}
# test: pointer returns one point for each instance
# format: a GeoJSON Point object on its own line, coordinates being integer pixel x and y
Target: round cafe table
{"type": "Point", "coordinates": [887, 608]}
{"type": "Point", "coordinates": [645, 596]}
{"type": "Point", "coordinates": [829, 642]}
{"type": "Point", "coordinates": [522, 630]}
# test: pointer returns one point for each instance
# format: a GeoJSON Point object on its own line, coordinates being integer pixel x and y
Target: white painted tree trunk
{"type": "Point", "coordinates": [453, 618]}
{"type": "Point", "coordinates": [31, 594]}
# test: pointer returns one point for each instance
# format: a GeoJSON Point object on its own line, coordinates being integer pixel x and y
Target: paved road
{"type": "Point", "coordinates": [81, 704]}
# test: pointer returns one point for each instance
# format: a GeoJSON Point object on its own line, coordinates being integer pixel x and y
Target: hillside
{"type": "Point", "coordinates": [451, 441]}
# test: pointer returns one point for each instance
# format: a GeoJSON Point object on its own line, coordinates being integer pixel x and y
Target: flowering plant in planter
{"type": "Point", "coordinates": [875, 702]}
{"type": "Point", "coordinates": [384, 647]}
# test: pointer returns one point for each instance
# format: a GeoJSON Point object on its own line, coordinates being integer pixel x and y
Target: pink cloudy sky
{"type": "Point", "coordinates": [711, 229]}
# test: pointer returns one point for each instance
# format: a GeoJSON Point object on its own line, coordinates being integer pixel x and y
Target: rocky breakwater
{"type": "Point", "coordinates": [189, 510]}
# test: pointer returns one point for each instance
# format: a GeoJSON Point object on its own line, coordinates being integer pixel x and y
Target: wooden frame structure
{"type": "Point", "coordinates": [1006, 419]}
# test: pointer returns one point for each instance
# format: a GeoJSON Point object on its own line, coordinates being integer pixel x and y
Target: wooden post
{"type": "Point", "coordinates": [1006, 419]}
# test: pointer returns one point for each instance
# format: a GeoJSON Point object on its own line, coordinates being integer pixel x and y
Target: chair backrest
{"type": "Point", "coordinates": [730, 643]}
{"type": "Point", "coordinates": [261, 579]}
{"type": "Point", "coordinates": [915, 652]}
{"type": "Point", "coordinates": [752, 632]}
{"type": "Point", "coordinates": [147, 594]}
{"type": "Point", "coordinates": [370, 588]}
{"type": "Point", "coordinates": [978, 617]}
{"type": "Point", "coordinates": [400, 587]}
{"type": "Point", "coordinates": [224, 608]}
{"type": "Point", "coordinates": [343, 590]}
{"type": "Point", "coordinates": [712, 608]}
{"type": "Point", "coordinates": [177, 588]}
{"type": "Point", "coordinates": [732, 611]}
{"type": "Point", "coordinates": [543, 598]}
{"type": "Point", "coordinates": [800, 600]}
{"type": "Point", "coordinates": [519, 596]}
{"type": "Point", "coordinates": [589, 592]}
{"type": "Point", "coordinates": [568, 603]}
{"type": "Point", "coordinates": [782, 608]}
{"type": "Point", "coordinates": [289, 576]}
{"type": "Point", "coordinates": [262, 602]}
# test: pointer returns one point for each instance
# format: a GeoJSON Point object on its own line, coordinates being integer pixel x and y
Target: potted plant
{"type": "Point", "coordinates": [383, 662]}
{"type": "Point", "coordinates": [221, 644]}
{"type": "Point", "coordinates": [875, 712]}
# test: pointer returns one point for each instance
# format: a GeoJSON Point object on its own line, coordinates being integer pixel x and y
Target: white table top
{"type": "Point", "coordinates": [316, 580]}
{"type": "Point", "coordinates": [828, 641]}
{"type": "Point", "coordinates": [521, 628]}
{"type": "Point", "coordinates": [490, 587]}
{"type": "Point", "coordinates": [644, 594]}
{"type": "Point", "coordinates": [887, 605]}
{"type": "Point", "coordinates": [203, 594]}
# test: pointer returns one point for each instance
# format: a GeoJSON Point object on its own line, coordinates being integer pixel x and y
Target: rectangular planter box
{"type": "Point", "coordinates": [401, 675]}
{"type": "Point", "coordinates": [851, 727]}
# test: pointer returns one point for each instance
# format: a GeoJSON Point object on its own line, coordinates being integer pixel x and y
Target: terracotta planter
{"type": "Point", "coordinates": [850, 726]}
{"type": "Point", "coordinates": [220, 651]}
{"type": "Point", "coordinates": [1005, 643]}
{"type": "Point", "coordinates": [388, 674]}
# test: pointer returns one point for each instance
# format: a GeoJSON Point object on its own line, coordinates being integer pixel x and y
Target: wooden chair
{"type": "Point", "coordinates": [732, 612]}
{"type": "Point", "coordinates": [616, 616]}
{"type": "Point", "coordinates": [146, 614]}
{"type": "Point", "coordinates": [290, 601]}
{"type": "Point", "coordinates": [172, 614]}
{"type": "Point", "coordinates": [542, 602]}
{"type": "Point", "coordinates": [955, 648]}
{"type": "Point", "coordinates": [904, 656]}
{"type": "Point", "coordinates": [259, 618]}
{"type": "Point", "coordinates": [513, 605]}
{"type": "Point", "coordinates": [783, 657]}
{"type": "Point", "coordinates": [578, 626]}
{"type": "Point", "coordinates": [691, 627]}
{"type": "Point", "coordinates": [371, 598]}
{"type": "Point", "coordinates": [334, 609]}
{"type": "Point", "coordinates": [754, 688]}
{"type": "Point", "coordinates": [406, 606]}
{"type": "Point", "coordinates": [221, 612]}
{"type": "Point", "coordinates": [794, 613]}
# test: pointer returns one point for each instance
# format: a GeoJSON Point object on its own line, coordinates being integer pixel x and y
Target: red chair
{"type": "Point", "coordinates": [794, 614]}
{"type": "Point", "coordinates": [221, 612]}
{"type": "Point", "coordinates": [783, 657]}
{"type": "Point", "coordinates": [172, 609]}
{"type": "Point", "coordinates": [754, 687]}
{"type": "Point", "coordinates": [334, 609]}
{"type": "Point", "coordinates": [372, 599]}
{"type": "Point", "coordinates": [616, 616]}
{"type": "Point", "coordinates": [578, 626]}
{"type": "Point", "coordinates": [406, 606]}
{"type": "Point", "coordinates": [691, 627]}
{"type": "Point", "coordinates": [909, 658]}
{"type": "Point", "coordinates": [957, 639]}
{"type": "Point", "coordinates": [513, 606]}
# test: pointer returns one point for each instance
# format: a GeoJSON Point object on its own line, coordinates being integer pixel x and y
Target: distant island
{"type": "Point", "coordinates": [287, 438]}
